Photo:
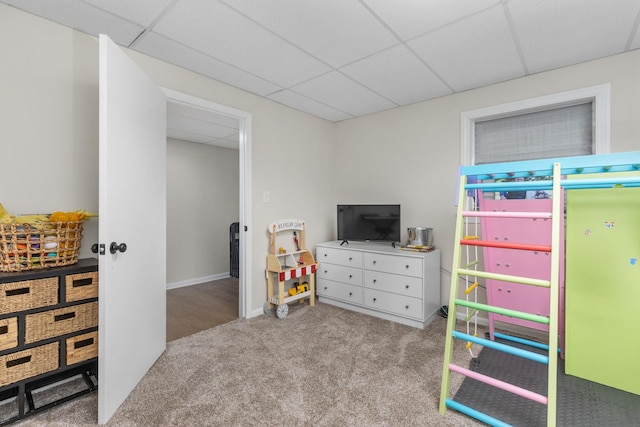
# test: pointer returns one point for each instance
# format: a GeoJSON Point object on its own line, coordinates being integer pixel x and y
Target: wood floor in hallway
{"type": "Point", "coordinates": [195, 308]}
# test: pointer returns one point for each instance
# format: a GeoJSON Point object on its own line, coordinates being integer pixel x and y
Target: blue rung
{"type": "Point", "coordinates": [481, 416]}
{"type": "Point", "coordinates": [540, 358]}
{"type": "Point", "coordinates": [573, 184]}
{"type": "Point", "coordinates": [523, 341]}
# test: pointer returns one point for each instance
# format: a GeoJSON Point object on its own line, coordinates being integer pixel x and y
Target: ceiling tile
{"type": "Point", "coordinates": [336, 31]}
{"type": "Point", "coordinates": [218, 31]}
{"type": "Point", "coordinates": [338, 91]}
{"type": "Point", "coordinates": [178, 109]}
{"type": "Point", "coordinates": [398, 75]}
{"type": "Point", "coordinates": [302, 103]}
{"type": "Point", "coordinates": [199, 126]}
{"type": "Point", "coordinates": [141, 12]}
{"type": "Point", "coordinates": [410, 19]}
{"type": "Point", "coordinates": [559, 33]}
{"type": "Point", "coordinates": [82, 17]}
{"type": "Point", "coordinates": [474, 52]}
{"type": "Point", "coordinates": [170, 51]}
{"type": "Point", "coordinates": [185, 135]}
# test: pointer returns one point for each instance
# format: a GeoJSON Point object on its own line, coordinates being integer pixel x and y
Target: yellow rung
{"type": "Point", "coordinates": [470, 237]}
{"type": "Point", "coordinates": [471, 288]}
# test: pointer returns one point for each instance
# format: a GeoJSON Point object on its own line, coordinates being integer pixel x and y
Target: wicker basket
{"type": "Point", "coordinates": [45, 244]}
{"type": "Point", "coordinates": [60, 321]}
{"type": "Point", "coordinates": [29, 363]}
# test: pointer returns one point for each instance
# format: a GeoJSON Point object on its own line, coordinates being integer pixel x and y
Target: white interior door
{"type": "Point", "coordinates": [132, 319]}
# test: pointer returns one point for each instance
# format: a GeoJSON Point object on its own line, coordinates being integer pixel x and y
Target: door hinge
{"type": "Point", "coordinates": [245, 228]}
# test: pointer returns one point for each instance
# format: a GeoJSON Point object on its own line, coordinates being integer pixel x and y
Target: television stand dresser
{"type": "Point", "coordinates": [48, 334]}
{"type": "Point", "coordinates": [380, 280]}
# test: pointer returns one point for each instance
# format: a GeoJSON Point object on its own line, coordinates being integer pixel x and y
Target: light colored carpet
{"type": "Point", "coordinates": [319, 366]}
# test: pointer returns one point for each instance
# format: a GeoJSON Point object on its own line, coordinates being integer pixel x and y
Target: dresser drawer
{"type": "Point", "coordinates": [393, 303]}
{"type": "Point", "coordinates": [340, 273]}
{"type": "Point", "coordinates": [393, 264]}
{"type": "Point", "coordinates": [398, 284]}
{"type": "Point", "coordinates": [338, 256]}
{"type": "Point", "coordinates": [82, 347]}
{"type": "Point", "coordinates": [28, 363]}
{"type": "Point", "coordinates": [61, 321]}
{"type": "Point", "coordinates": [8, 333]}
{"type": "Point", "coordinates": [339, 291]}
{"type": "Point", "coordinates": [81, 286]}
{"type": "Point", "coordinates": [28, 294]}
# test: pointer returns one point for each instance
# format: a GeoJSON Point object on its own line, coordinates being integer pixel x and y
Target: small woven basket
{"type": "Point", "coordinates": [45, 244]}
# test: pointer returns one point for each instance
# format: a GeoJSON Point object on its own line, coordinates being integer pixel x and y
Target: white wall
{"type": "Point", "coordinates": [411, 155]}
{"type": "Point", "coordinates": [49, 119]}
{"type": "Point", "coordinates": [49, 135]}
{"type": "Point", "coordinates": [202, 202]}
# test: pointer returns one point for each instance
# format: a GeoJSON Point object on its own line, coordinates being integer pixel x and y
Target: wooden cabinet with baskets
{"type": "Point", "coordinates": [48, 333]}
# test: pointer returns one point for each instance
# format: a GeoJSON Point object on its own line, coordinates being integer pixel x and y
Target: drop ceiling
{"type": "Point", "coordinates": [340, 59]}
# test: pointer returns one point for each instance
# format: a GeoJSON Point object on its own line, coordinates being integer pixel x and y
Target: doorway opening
{"type": "Point", "coordinates": [242, 120]}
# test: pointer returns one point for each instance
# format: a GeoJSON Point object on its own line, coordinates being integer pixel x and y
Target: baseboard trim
{"type": "Point", "coordinates": [481, 320]}
{"type": "Point", "coordinates": [197, 281]}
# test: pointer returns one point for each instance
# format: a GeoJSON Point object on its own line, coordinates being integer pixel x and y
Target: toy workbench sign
{"type": "Point", "coordinates": [286, 224]}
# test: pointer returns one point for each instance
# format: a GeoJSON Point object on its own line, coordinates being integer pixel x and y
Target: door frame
{"type": "Point", "coordinates": [245, 126]}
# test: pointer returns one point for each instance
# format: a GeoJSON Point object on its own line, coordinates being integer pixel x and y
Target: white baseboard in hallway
{"type": "Point", "coordinates": [197, 281]}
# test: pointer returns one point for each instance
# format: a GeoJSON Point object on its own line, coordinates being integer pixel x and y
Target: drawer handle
{"type": "Point", "coordinates": [375, 280]}
{"type": "Point", "coordinates": [325, 254]}
{"type": "Point", "coordinates": [350, 293]}
{"type": "Point", "coordinates": [82, 282]}
{"type": "Point", "coordinates": [4, 330]}
{"type": "Point", "coordinates": [374, 300]}
{"type": "Point", "coordinates": [406, 286]}
{"type": "Point", "coordinates": [350, 276]}
{"type": "Point", "coordinates": [83, 343]}
{"type": "Point", "coordinates": [64, 316]}
{"type": "Point", "coordinates": [19, 291]}
{"type": "Point", "coordinates": [325, 272]}
{"type": "Point", "coordinates": [325, 288]}
{"type": "Point", "coordinates": [406, 266]}
{"type": "Point", "coordinates": [19, 361]}
{"type": "Point", "coordinates": [374, 261]}
{"type": "Point", "coordinates": [407, 307]}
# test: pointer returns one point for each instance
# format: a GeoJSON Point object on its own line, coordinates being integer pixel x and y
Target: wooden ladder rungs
{"type": "Point", "coordinates": [527, 394]}
{"type": "Point", "coordinates": [503, 311]}
{"type": "Point", "coordinates": [504, 277]}
{"type": "Point", "coordinates": [508, 214]}
{"type": "Point", "coordinates": [505, 245]}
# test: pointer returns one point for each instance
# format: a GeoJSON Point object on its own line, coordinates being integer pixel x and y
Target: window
{"type": "Point", "coordinates": [566, 124]}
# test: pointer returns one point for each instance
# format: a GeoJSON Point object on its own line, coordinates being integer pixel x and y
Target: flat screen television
{"type": "Point", "coordinates": [369, 223]}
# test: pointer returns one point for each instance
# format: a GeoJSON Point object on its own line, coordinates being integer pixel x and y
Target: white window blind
{"type": "Point", "coordinates": [559, 132]}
